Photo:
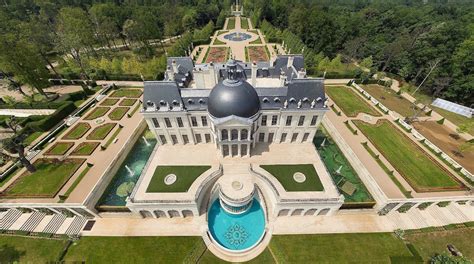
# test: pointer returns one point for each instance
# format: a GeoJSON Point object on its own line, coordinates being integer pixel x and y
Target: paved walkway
{"type": "Point", "coordinates": [25, 112]}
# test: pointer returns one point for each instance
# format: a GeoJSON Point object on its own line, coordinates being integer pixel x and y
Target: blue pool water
{"type": "Point", "coordinates": [126, 178]}
{"type": "Point", "coordinates": [236, 232]}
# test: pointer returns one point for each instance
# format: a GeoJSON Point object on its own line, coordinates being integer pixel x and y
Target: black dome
{"type": "Point", "coordinates": [233, 97]}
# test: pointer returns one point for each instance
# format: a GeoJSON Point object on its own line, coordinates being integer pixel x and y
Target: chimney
{"type": "Point", "coordinates": [175, 66]}
{"type": "Point", "coordinates": [169, 73]}
{"type": "Point", "coordinates": [212, 72]}
{"type": "Point", "coordinates": [301, 73]}
{"type": "Point", "coordinates": [254, 74]}
{"type": "Point", "coordinates": [282, 79]}
{"type": "Point", "coordinates": [290, 62]}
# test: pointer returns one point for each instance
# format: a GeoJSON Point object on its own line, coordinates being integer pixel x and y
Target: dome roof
{"type": "Point", "coordinates": [233, 97]}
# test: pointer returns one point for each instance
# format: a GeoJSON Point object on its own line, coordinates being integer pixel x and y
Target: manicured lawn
{"type": "Point", "coordinates": [455, 118]}
{"type": "Point", "coordinates": [265, 257]}
{"type": "Point", "coordinates": [50, 176]}
{"type": "Point", "coordinates": [14, 249]}
{"type": "Point", "coordinates": [101, 132]}
{"type": "Point", "coordinates": [85, 148]}
{"type": "Point", "coordinates": [244, 23]}
{"type": "Point", "coordinates": [284, 174]}
{"type": "Point", "coordinates": [32, 137]}
{"type": "Point", "coordinates": [231, 23]}
{"type": "Point", "coordinates": [422, 173]}
{"type": "Point", "coordinates": [118, 113]}
{"type": "Point", "coordinates": [97, 112]}
{"type": "Point", "coordinates": [257, 41]}
{"type": "Point", "coordinates": [133, 250]}
{"type": "Point", "coordinates": [127, 102]}
{"type": "Point", "coordinates": [129, 93]}
{"type": "Point", "coordinates": [186, 175]}
{"type": "Point", "coordinates": [59, 148]}
{"type": "Point", "coordinates": [392, 100]}
{"type": "Point", "coordinates": [77, 181]}
{"type": "Point", "coordinates": [428, 244]}
{"type": "Point", "coordinates": [347, 99]}
{"type": "Point", "coordinates": [337, 248]}
{"type": "Point", "coordinates": [109, 102]}
{"type": "Point", "coordinates": [78, 131]}
{"type": "Point", "coordinates": [218, 42]}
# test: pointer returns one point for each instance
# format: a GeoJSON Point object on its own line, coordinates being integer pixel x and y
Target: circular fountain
{"type": "Point", "coordinates": [237, 36]}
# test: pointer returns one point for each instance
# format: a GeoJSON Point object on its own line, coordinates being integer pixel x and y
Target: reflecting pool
{"type": "Point", "coordinates": [236, 231]}
{"type": "Point", "coordinates": [127, 176]}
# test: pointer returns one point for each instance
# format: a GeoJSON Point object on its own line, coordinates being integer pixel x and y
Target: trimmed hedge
{"type": "Point", "coordinates": [50, 121]}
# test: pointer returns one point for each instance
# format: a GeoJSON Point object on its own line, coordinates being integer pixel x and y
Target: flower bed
{"type": "Point", "coordinates": [78, 131]}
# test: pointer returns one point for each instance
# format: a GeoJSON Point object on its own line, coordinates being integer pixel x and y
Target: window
{"type": "Point", "coordinates": [204, 120]}
{"type": "Point", "coordinates": [224, 134]}
{"type": "Point", "coordinates": [174, 139]}
{"type": "Point", "coordinates": [274, 120]}
{"type": "Point", "coordinates": [244, 134]}
{"type": "Point", "coordinates": [167, 122]}
{"type": "Point", "coordinates": [234, 134]}
{"type": "Point", "coordinates": [305, 137]}
{"type": "Point", "coordinates": [294, 137]}
{"type": "Point", "coordinates": [198, 138]}
{"type": "Point", "coordinates": [163, 139]}
{"type": "Point", "coordinates": [194, 121]}
{"type": "Point", "coordinates": [155, 122]}
{"type": "Point", "coordinates": [261, 137]}
{"type": "Point", "coordinates": [314, 119]}
{"type": "Point", "coordinates": [288, 121]}
{"type": "Point", "coordinates": [185, 139]}
{"type": "Point", "coordinates": [301, 121]}
{"type": "Point", "coordinates": [270, 137]}
{"type": "Point", "coordinates": [179, 120]}
{"type": "Point", "coordinates": [264, 120]}
{"type": "Point", "coordinates": [207, 137]}
{"type": "Point", "coordinates": [283, 137]}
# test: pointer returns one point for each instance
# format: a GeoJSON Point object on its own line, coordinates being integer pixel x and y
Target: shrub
{"type": "Point", "coordinates": [53, 119]}
{"type": "Point", "coordinates": [441, 121]}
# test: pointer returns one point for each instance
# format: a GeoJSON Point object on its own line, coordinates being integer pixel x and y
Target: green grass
{"type": "Point", "coordinates": [114, 135]}
{"type": "Point", "coordinates": [422, 173]}
{"type": "Point", "coordinates": [337, 248]}
{"type": "Point", "coordinates": [85, 148]}
{"type": "Point", "coordinates": [32, 137]}
{"type": "Point", "coordinates": [129, 93]}
{"type": "Point", "coordinates": [186, 175]}
{"type": "Point", "coordinates": [109, 102]}
{"type": "Point", "coordinates": [257, 41]}
{"type": "Point", "coordinates": [49, 178]}
{"type": "Point", "coordinates": [244, 23]}
{"type": "Point", "coordinates": [231, 23]}
{"type": "Point", "coordinates": [59, 148]}
{"type": "Point", "coordinates": [78, 131]}
{"type": "Point", "coordinates": [431, 243]}
{"type": "Point", "coordinates": [264, 258]}
{"type": "Point", "coordinates": [127, 102]}
{"type": "Point", "coordinates": [132, 249]}
{"type": "Point", "coordinates": [77, 181]}
{"type": "Point", "coordinates": [284, 174]}
{"type": "Point", "coordinates": [101, 132]}
{"type": "Point", "coordinates": [15, 249]}
{"type": "Point", "coordinates": [392, 100]}
{"type": "Point", "coordinates": [350, 103]}
{"type": "Point", "coordinates": [97, 112]}
{"type": "Point", "coordinates": [218, 42]}
{"type": "Point", "coordinates": [455, 118]}
{"type": "Point", "coordinates": [118, 113]}
{"type": "Point", "coordinates": [135, 109]}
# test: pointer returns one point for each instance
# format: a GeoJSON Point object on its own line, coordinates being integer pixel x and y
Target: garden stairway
{"type": "Point", "coordinates": [9, 219]}
{"type": "Point", "coordinates": [32, 221]}
{"type": "Point", "coordinates": [76, 225]}
{"type": "Point", "coordinates": [55, 223]}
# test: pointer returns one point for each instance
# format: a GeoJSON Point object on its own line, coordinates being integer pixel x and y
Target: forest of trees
{"type": "Point", "coordinates": [405, 37]}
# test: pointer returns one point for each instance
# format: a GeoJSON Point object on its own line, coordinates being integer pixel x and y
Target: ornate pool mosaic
{"type": "Point", "coordinates": [236, 235]}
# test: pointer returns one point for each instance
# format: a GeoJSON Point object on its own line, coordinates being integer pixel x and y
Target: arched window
{"type": "Point", "coordinates": [244, 134]}
{"type": "Point", "coordinates": [224, 134]}
{"type": "Point", "coordinates": [234, 134]}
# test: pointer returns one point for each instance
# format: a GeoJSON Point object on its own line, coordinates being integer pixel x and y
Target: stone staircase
{"type": "Point", "coordinates": [53, 226]}
{"type": "Point", "coordinates": [32, 222]}
{"type": "Point", "coordinates": [76, 226]}
{"type": "Point", "coordinates": [9, 219]}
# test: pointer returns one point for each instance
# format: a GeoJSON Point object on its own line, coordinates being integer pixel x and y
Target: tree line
{"type": "Point", "coordinates": [412, 39]}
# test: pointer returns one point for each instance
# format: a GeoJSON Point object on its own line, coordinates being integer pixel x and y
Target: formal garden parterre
{"type": "Point", "coordinates": [350, 103]}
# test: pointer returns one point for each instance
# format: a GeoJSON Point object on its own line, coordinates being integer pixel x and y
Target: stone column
{"type": "Point", "coordinates": [239, 150]}
{"type": "Point", "coordinates": [239, 134]}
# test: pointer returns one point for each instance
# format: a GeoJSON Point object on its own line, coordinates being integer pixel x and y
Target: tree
{"type": "Point", "coordinates": [367, 63]}
{"type": "Point", "coordinates": [13, 85]}
{"type": "Point", "coordinates": [15, 144]}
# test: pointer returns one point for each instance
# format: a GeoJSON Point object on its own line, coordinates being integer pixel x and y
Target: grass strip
{"type": "Point", "coordinates": [387, 170]}
{"type": "Point", "coordinates": [112, 138]}
{"type": "Point", "coordinates": [76, 182]}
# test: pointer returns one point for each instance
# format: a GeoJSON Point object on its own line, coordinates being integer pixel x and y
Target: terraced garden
{"type": "Point", "coordinates": [109, 102]}
{"type": "Point", "coordinates": [59, 148]}
{"type": "Point", "coordinates": [101, 132]}
{"type": "Point", "coordinates": [127, 102]}
{"type": "Point", "coordinates": [117, 113]}
{"type": "Point", "coordinates": [85, 148]}
{"type": "Point", "coordinates": [185, 176]}
{"type": "Point", "coordinates": [78, 131]}
{"type": "Point", "coordinates": [350, 103]}
{"type": "Point", "coordinates": [97, 112]}
{"type": "Point", "coordinates": [127, 92]}
{"type": "Point", "coordinates": [422, 172]}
